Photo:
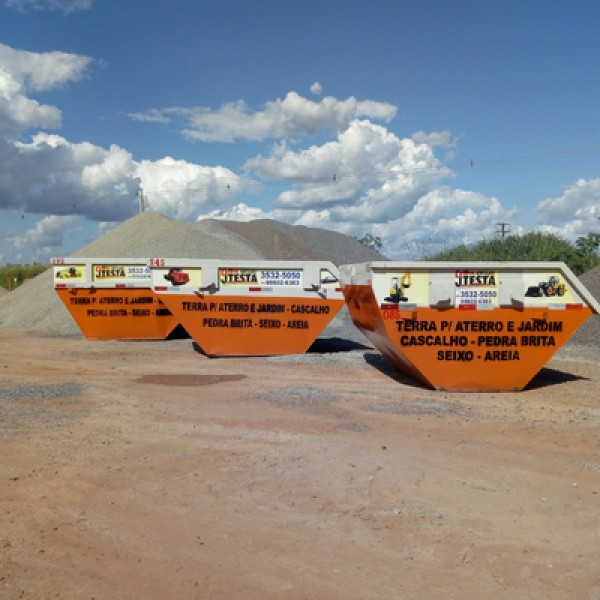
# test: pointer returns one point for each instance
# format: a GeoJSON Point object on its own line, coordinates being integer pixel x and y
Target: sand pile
{"type": "Point", "coordinates": [36, 306]}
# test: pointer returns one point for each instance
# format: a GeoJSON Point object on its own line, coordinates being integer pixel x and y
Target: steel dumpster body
{"type": "Point", "coordinates": [249, 308]}
{"type": "Point", "coordinates": [112, 298]}
{"type": "Point", "coordinates": [483, 326]}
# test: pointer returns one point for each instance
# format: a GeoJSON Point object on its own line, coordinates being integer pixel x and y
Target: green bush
{"type": "Point", "coordinates": [533, 246]}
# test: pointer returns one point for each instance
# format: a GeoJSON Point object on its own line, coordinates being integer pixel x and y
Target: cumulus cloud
{"type": "Point", "coordinates": [438, 220]}
{"type": "Point", "coordinates": [66, 7]}
{"type": "Point", "coordinates": [44, 239]}
{"type": "Point", "coordinates": [51, 175]}
{"type": "Point", "coordinates": [35, 71]}
{"type": "Point", "coordinates": [364, 179]}
{"type": "Point", "coordinates": [367, 174]}
{"type": "Point", "coordinates": [316, 89]}
{"type": "Point", "coordinates": [23, 72]}
{"type": "Point", "coordinates": [573, 214]}
{"type": "Point", "coordinates": [446, 213]}
{"type": "Point", "coordinates": [239, 212]}
{"type": "Point", "coordinates": [185, 190]}
{"type": "Point", "coordinates": [369, 180]}
{"type": "Point", "coordinates": [294, 115]}
{"type": "Point", "coordinates": [54, 176]}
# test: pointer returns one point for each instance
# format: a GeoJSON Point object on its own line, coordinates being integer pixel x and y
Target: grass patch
{"type": "Point", "coordinates": [12, 276]}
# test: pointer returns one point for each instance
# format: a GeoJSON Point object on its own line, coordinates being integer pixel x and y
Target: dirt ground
{"type": "Point", "coordinates": [146, 470]}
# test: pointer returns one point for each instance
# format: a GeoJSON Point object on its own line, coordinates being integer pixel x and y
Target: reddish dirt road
{"type": "Point", "coordinates": [146, 470]}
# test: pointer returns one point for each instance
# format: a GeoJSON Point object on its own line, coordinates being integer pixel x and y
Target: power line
{"type": "Point", "coordinates": [336, 178]}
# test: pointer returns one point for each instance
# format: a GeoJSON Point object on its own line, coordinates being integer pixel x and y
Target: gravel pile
{"type": "Point", "coordinates": [280, 241]}
{"type": "Point", "coordinates": [36, 306]}
{"type": "Point", "coordinates": [589, 333]}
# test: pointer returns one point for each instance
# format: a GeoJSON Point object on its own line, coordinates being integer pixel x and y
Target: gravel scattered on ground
{"type": "Point", "coordinates": [299, 395]}
{"type": "Point", "coordinates": [41, 392]}
{"type": "Point", "coordinates": [417, 407]}
{"type": "Point", "coordinates": [27, 407]}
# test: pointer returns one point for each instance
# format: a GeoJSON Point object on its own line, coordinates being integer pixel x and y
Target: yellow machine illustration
{"type": "Point", "coordinates": [399, 284]}
{"type": "Point", "coordinates": [69, 273]}
{"type": "Point", "coordinates": [551, 287]}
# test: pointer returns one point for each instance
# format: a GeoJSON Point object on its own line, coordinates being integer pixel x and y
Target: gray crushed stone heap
{"type": "Point", "coordinates": [589, 333]}
{"type": "Point", "coordinates": [35, 306]}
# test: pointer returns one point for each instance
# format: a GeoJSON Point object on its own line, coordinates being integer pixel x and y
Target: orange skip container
{"type": "Point", "coordinates": [482, 326]}
{"type": "Point", "coordinates": [249, 308]}
{"type": "Point", "coordinates": [112, 298]}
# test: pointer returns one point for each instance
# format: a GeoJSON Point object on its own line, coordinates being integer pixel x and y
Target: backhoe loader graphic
{"type": "Point", "coordinates": [399, 284]}
{"type": "Point", "coordinates": [552, 287]}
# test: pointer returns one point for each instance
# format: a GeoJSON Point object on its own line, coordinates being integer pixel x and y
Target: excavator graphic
{"type": "Point", "coordinates": [552, 287]}
{"type": "Point", "coordinates": [399, 284]}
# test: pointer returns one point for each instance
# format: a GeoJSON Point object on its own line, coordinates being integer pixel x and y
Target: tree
{"type": "Point", "coordinates": [371, 241]}
{"type": "Point", "coordinates": [587, 245]}
{"type": "Point", "coordinates": [587, 251]}
{"type": "Point", "coordinates": [533, 246]}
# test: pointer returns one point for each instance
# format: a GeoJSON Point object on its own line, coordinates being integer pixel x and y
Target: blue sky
{"type": "Point", "coordinates": [425, 123]}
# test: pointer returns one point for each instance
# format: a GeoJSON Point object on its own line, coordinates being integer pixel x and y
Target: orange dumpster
{"type": "Point", "coordinates": [483, 326]}
{"type": "Point", "coordinates": [112, 298]}
{"type": "Point", "coordinates": [249, 308]}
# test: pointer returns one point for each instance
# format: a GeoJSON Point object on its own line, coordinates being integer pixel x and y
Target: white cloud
{"type": "Point", "coordinates": [368, 174]}
{"type": "Point", "coordinates": [113, 171]}
{"type": "Point", "coordinates": [316, 89]}
{"type": "Point", "coordinates": [35, 71]}
{"type": "Point", "coordinates": [51, 175]}
{"type": "Point", "coordinates": [17, 112]}
{"type": "Point", "coordinates": [444, 218]}
{"type": "Point", "coordinates": [366, 179]}
{"type": "Point", "coordinates": [369, 180]}
{"type": "Point", "coordinates": [581, 200]}
{"type": "Point", "coordinates": [438, 220]}
{"type": "Point", "coordinates": [573, 214]}
{"type": "Point", "coordinates": [152, 115]}
{"type": "Point", "coordinates": [43, 240]}
{"type": "Point", "coordinates": [239, 212]}
{"type": "Point", "coordinates": [294, 115]}
{"type": "Point", "coordinates": [65, 6]}
{"type": "Point", "coordinates": [23, 72]}
{"type": "Point", "coordinates": [436, 138]}
{"type": "Point", "coordinates": [184, 190]}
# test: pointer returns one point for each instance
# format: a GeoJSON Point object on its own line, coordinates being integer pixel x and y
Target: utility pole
{"type": "Point", "coordinates": [503, 229]}
{"type": "Point", "coordinates": [140, 194]}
